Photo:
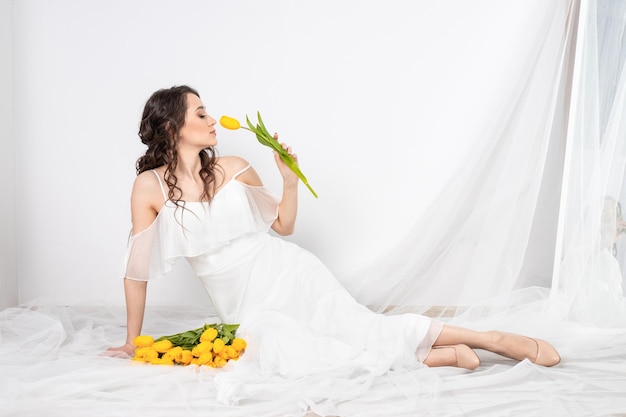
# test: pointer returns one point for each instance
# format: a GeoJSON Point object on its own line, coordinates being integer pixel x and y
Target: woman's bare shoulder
{"type": "Point", "coordinates": [234, 165]}
{"type": "Point", "coordinates": [146, 189]}
{"type": "Point", "coordinates": [146, 200]}
{"type": "Point", "coordinates": [145, 182]}
{"type": "Point", "coordinates": [231, 164]}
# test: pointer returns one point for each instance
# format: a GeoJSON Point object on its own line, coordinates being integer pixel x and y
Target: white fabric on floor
{"type": "Point", "coordinates": [51, 366]}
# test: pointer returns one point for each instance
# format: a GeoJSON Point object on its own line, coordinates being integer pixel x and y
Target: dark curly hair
{"type": "Point", "coordinates": [163, 117]}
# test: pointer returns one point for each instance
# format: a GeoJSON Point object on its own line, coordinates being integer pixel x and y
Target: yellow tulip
{"type": "Point", "coordinates": [219, 362]}
{"type": "Point", "coordinates": [161, 361]}
{"type": "Point", "coordinates": [230, 123]}
{"type": "Point", "coordinates": [141, 351]}
{"type": "Point", "coordinates": [143, 341]}
{"type": "Point", "coordinates": [264, 137]}
{"type": "Point", "coordinates": [172, 353]}
{"type": "Point", "coordinates": [201, 348]}
{"type": "Point", "coordinates": [209, 335]}
{"type": "Point", "coordinates": [184, 357]}
{"type": "Point", "coordinates": [151, 354]}
{"type": "Point", "coordinates": [162, 346]}
{"type": "Point", "coordinates": [205, 358]}
{"type": "Point", "coordinates": [218, 345]}
{"type": "Point", "coordinates": [239, 344]}
{"type": "Point", "coordinates": [146, 353]}
{"type": "Point", "coordinates": [231, 352]}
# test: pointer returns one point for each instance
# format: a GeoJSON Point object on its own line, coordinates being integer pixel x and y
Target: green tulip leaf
{"type": "Point", "coordinates": [264, 138]}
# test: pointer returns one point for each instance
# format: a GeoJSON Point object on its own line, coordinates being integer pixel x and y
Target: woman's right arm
{"type": "Point", "coordinates": [145, 198]}
{"type": "Point", "coordinates": [135, 294]}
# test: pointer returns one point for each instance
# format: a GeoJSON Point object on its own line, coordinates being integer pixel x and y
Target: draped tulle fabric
{"type": "Point", "coordinates": [476, 233]}
{"type": "Point", "coordinates": [588, 273]}
{"type": "Point", "coordinates": [471, 260]}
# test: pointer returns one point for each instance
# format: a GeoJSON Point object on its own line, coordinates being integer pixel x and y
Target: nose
{"type": "Point", "coordinates": [212, 121]}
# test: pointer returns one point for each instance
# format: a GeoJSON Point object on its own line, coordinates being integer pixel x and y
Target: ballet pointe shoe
{"type": "Point", "coordinates": [464, 357]}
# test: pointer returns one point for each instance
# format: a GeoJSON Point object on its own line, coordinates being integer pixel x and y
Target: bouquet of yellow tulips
{"type": "Point", "coordinates": [264, 138]}
{"type": "Point", "coordinates": [211, 345]}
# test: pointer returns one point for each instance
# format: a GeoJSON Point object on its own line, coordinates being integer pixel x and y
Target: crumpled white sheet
{"type": "Point", "coordinates": [51, 364]}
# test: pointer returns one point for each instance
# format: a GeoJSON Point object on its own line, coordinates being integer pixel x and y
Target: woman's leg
{"type": "Point", "coordinates": [510, 345]}
{"type": "Point", "coordinates": [461, 356]}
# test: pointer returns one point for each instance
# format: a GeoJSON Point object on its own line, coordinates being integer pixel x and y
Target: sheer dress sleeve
{"type": "Point", "coordinates": [199, 228]}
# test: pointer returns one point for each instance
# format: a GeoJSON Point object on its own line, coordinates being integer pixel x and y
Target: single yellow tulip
{"type": "Point", "coordinates": [230, 122]}
{"type": "Point", "coordinates": [218, 345]}
{"type": "Point", "coordinates": [209, 335]}
{"type": "Point", "coordinates": [141, 351]}
{"type": "Point", "coordinates": [146, 353]}
{"type": "Point", "coordinates": [162, 346]}
{"type": "Point", "coordinates": [239, 344]}
{"type": "Point", "coordinates": [264, 138]}
{"type": "Point", "coordinates": [228, 353]}
{"type": "Point", "coordinates": [161, 361]}
{"type": "Point", "coordinates": [172, 353]}
{"type": "Point", "coordinates": [201, 348]}
{"type": "Point", "coordinates": [184, 357]}
{"type": "Point", "coordinates": [143, 341]}
{"type": "Point", "coordinates": [205, 358]}
{"type": "Point", "coordinates": [151, 354]}
{"type": "Point", "coordinates": [219, 362]}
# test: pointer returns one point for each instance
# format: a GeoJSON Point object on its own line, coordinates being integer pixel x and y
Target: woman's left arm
{"type": "Point", "coordinates": [288, 207]}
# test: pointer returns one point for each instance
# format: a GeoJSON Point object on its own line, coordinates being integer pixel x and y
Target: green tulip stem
{"type": "Point", "coordinates": [268, 140]}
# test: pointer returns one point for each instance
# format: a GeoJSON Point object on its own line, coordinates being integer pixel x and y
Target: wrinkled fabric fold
{"type": "Point", "coordinates": [51, 364]}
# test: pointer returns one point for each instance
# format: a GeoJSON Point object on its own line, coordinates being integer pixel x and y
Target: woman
{"type": "Point", "coordinates": [213, 211]}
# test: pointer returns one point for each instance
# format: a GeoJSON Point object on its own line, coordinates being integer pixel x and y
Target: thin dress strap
{"type": "Point", "coordinates": [160, 183]}
{"type": "Point", "coordinates": [241, 171]}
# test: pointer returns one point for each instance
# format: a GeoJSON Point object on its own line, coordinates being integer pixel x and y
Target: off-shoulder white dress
{"type": "Point", "coordinates": [298, 319]}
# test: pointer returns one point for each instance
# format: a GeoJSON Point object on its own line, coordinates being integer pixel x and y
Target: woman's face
{"type": "Point", "coordinates": [199, 127]}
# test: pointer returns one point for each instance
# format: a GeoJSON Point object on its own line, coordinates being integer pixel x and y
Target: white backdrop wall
{"type": "Point", "coordinates": [8, 260]}
{"type": "Point", "coordinates": [380, 100]}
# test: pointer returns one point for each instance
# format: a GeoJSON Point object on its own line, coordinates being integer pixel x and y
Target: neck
{"type": "Point", "coordinates": [188, 164]}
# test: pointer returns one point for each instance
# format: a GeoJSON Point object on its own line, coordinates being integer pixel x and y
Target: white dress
{"type": "Point", "coordinates": [297, 318]}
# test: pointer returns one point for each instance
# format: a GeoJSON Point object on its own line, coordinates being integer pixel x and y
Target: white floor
{"type": "Point", "coordinates": [50, 365]}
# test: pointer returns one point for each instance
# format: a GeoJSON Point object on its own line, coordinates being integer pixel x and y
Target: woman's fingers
{"type": "Point", "coordinates": [286, 148]}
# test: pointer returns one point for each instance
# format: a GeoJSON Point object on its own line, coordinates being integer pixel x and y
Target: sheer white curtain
{"type": "Point", "coordinates": [588, 275]}
{"type": "Point", "coordinates": [471, 245]}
